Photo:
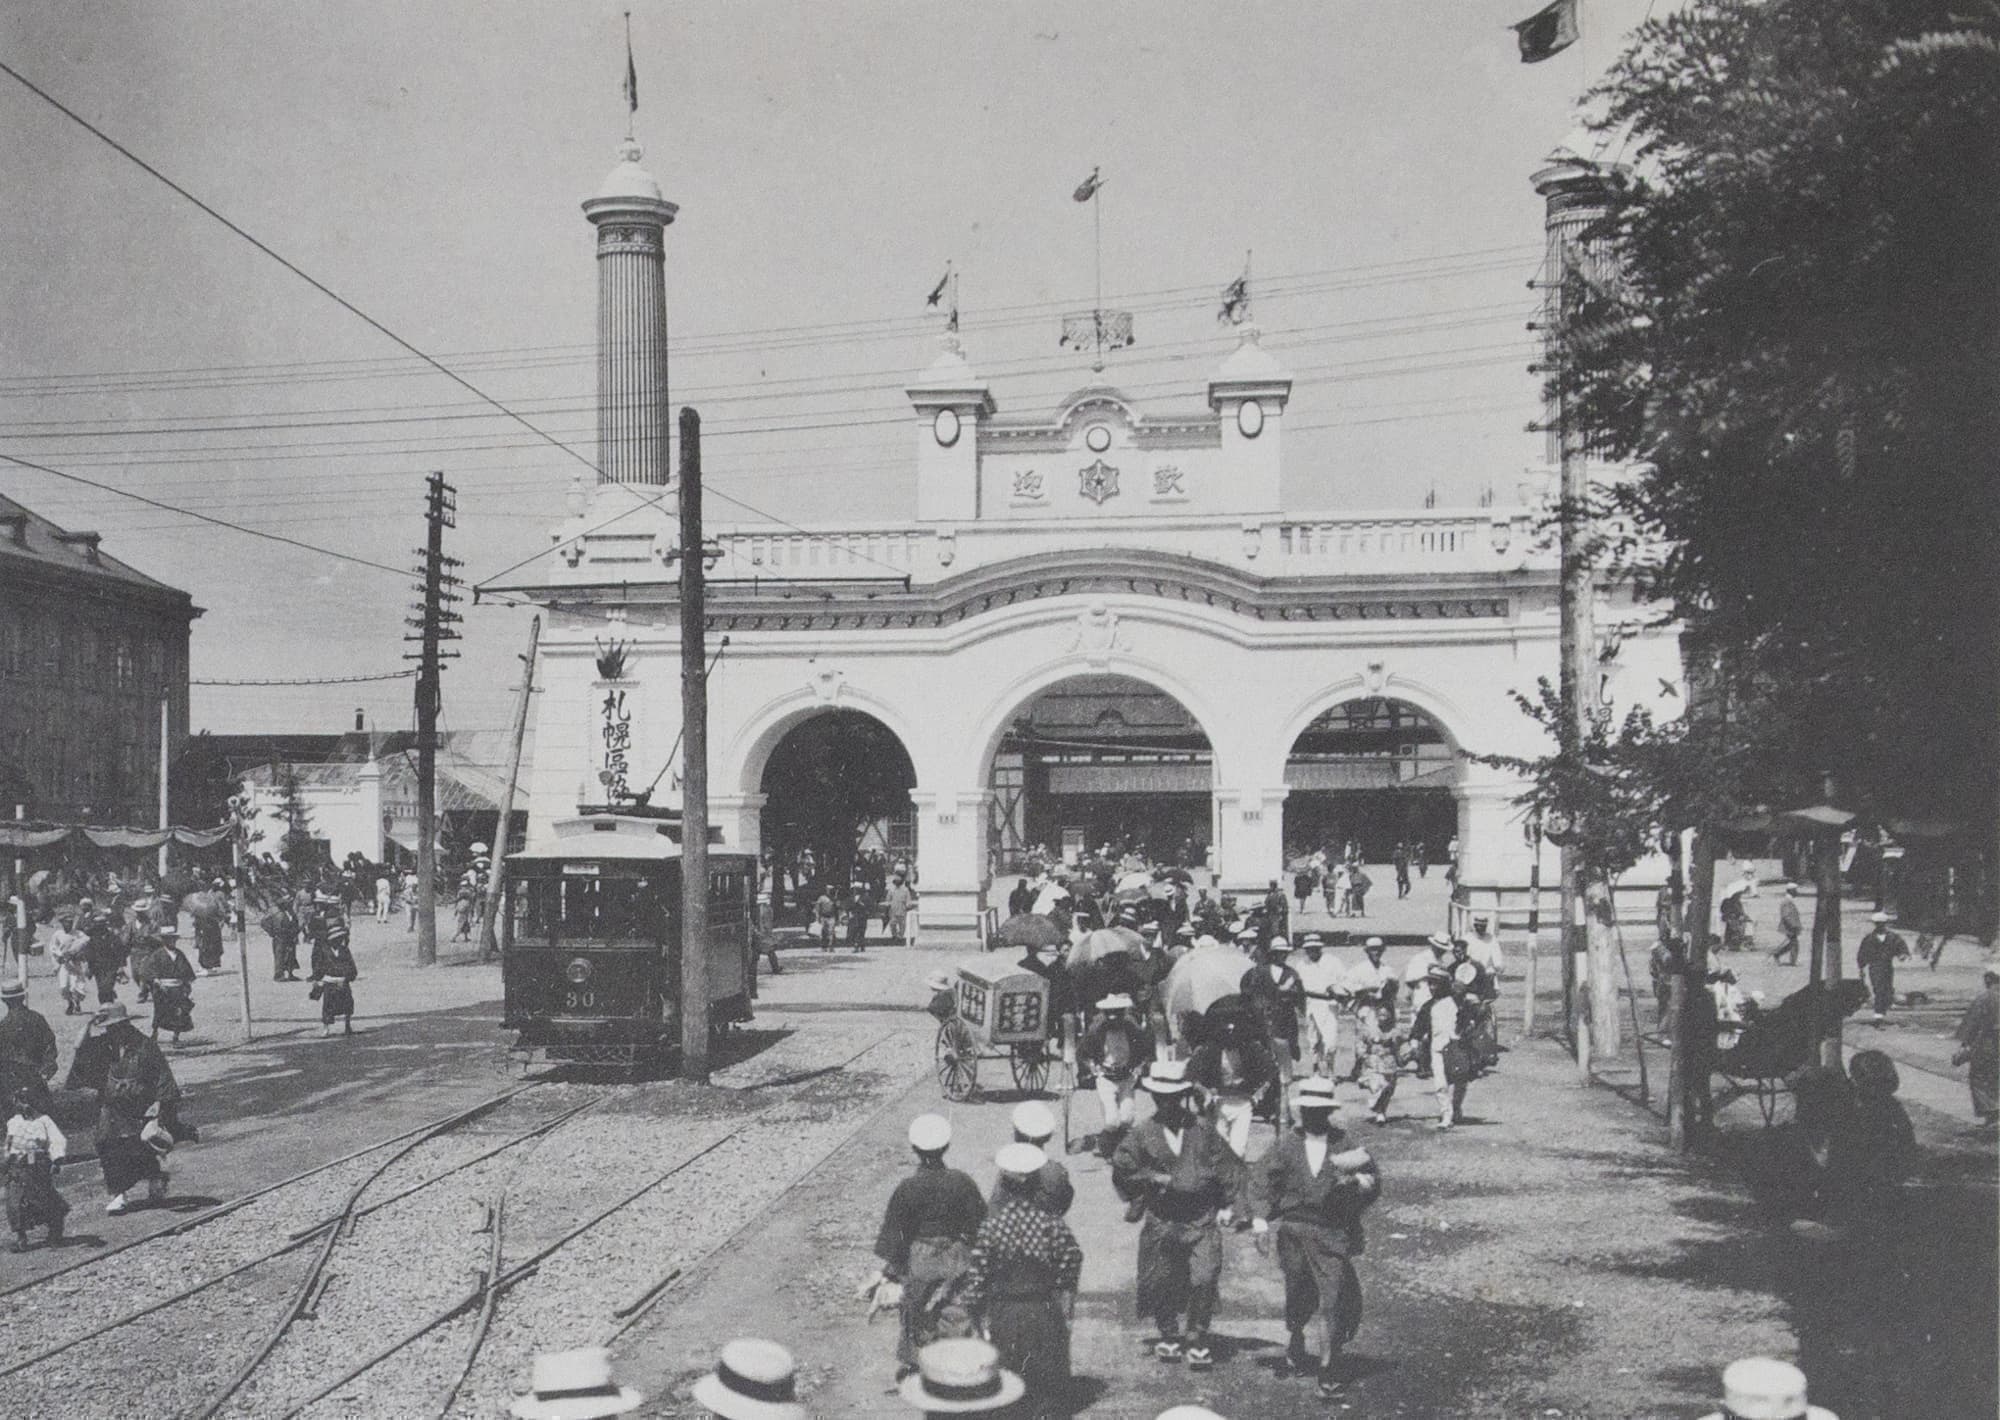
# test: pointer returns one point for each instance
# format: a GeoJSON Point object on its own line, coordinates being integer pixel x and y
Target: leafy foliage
{"type": "Point", "coordinates": [1800, 348]}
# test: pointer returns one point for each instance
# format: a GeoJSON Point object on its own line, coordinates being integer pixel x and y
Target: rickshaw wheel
{"type": "Point", "coordinates": [957, 1060]}
{"type": "Point", "coordinates": [1030, 1063]}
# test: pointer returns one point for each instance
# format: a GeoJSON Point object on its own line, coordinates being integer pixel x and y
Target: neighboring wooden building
{"type": "Point", "coordinates": [88, 649]}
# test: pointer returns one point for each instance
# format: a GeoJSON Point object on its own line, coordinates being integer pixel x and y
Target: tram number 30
{"type": "Point", "coordinates": [579, 1000]}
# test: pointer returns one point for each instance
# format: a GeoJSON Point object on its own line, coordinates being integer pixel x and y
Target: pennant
{"type": "Point", "coordinates": [937, 291]}
{"type": "Point", "coordinates": [1547, 32]}
{"type": "Point", "coordinates": [1235, 302]}
{"type": "Point", "coordinates": [631, 70]}
{"type": "Point", "coordinates": [1087, 189]}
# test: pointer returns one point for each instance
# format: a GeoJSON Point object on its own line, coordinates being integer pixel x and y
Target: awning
{"type": "Point", "coordinates": [21, 835]}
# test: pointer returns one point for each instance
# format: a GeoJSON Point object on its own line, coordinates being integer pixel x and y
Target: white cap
{"type": "Point", "coordinates": [930, 1133]}
{"type": "Point", "coordinates": [1280, 944]}
{"type": "Point", "coordinates": [1761, 1388]}
{"type": "Point", "coordinates": [1020, 1160]}
{"type": "Point", "coordinates": [1034, 1120]}
{"type": "Point", "coordinates": [1188, 1412]}
{"type": "Point", "coordinates": [1315, 1092]}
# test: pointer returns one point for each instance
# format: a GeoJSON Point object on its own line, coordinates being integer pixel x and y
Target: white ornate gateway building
{"type": "Point", "coordinates": [1097, 624]}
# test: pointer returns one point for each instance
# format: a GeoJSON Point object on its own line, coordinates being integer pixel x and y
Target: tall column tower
{"type": "Point", "coordinates": [631, 218]}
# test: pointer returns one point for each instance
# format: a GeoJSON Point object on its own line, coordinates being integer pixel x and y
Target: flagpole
{"type": "Point", "coordinates": [1097, 246]}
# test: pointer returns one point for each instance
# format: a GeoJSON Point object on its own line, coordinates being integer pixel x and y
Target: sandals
{"type": "Point", "coordinates": [1200, 1358]}
{"type": "Point", "coordinates": [1167, 1349]}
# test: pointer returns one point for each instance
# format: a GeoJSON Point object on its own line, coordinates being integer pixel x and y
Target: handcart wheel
{"type": "Point", "coordinates": [1030, 1063]}
{"type": "Point", "coordinates": [957, 1060]}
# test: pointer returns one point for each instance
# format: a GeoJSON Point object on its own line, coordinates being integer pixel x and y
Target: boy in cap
{"type": "Point", "coordinates": [962, 1376]}
{"type": "Point", "coordinates": [753, 1379]}
{"type": "Point", "coordinates": [925, 1241]}
{"type": "Point", "coordinates": [1311, 1193]}
{"type": "Point", "coordinates": [1034, 1123]}
{"type": "Point", "coordinates": [1024, 1262]}
{"type": "Point", "coordinates": [1180, 1176]}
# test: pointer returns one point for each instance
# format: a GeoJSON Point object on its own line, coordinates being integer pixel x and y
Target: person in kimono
{"type": "Point", "coordinates": [1274, 989]}
{"type": "Point", "coordinates": [135, 1089]}
{"type": "Point", "coordinates": [1979, 1046]}
{"type": "Point", "coordinates": [1378, 1053]}
{"type": "Point", "coordinates": [1116, 1049]}
{"type": "Point", "coordinates": [1308, 1193]}
{"type": "Point", "coordinates": [172, 975]}
{"type": "Point", "coordinates": [925, 1241]}
{"type": "Point", "coordinates": [281, 925]}
{"type": "Point", "coordinates": [69, 948]}
{"type": "Point", "coordinates": [35, 1149]}
{"type": "Point", "coordinates": [333, 968]}
{"type": "Point", "coordinates": [1179, 1177]}
{"type": "Point", "coordinates": [1025, 1263]}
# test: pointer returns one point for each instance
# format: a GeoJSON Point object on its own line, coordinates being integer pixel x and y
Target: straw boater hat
{"type": "Point", "coordinates": [1279, 944]}
{"type": "Point", "coordinates": [166, 929]}
{"type": "Point", "coordinates": [930, 1133]}
{"type": "Point", "coordinates": [1166, 1077]}
{"type": "Point", "coordinates": [752, 1380]}
{"type": "Point", "coordinates": [1438, 942]}
{"type": "Point", "coordinates": [958, 1376]}
{"type": "Point", "coordinates": [1763, 1389]}
{"type": "Point", "coordinates": [1019, 1160]}
{"type": "Point", "coordinates": [1879, 918]}
{"type": "Point", "coordinates": [939, 981]}
{"type": "Point", "coordinates": [1373, 944]}
{"type": "Point", "coordinates": [1116, 1001]}
{"type": "Point", "coordinates": [1312, 939]}
{"type": "Point", "coordinates": [1149, 929]}
{"type": "Point", "coordinates": [1315, 1092]}
{"type": "Point", "coordinates": [14, 991]}
{"type": "Point", "coordinates": [110, 1015]}
{"type": "Point", "coordinates": [1034, 1120]}
{"type": "Point", "coordinates": [575, 1385]}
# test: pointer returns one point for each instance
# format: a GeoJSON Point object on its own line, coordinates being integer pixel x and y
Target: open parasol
{"type": "Point", "coordinates": [1203, 977]}
{"type": "Point", "coordinates": [1096, 946]}
{"type": "Point", "coordinates": [1740, 885]}
{"type": "Point", "coordinates": [1030, 929]}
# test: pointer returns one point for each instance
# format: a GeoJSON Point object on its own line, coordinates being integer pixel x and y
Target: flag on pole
{"type": "Point", "coordinates": [937, 291]}
{"type": "Point", "coordinates": [631, 70]}
{"type": "Point", "coordinates": [1235, 301]}
{"type": "Point", "coordinates": [1087, 189]}
{"type": "Point", "coordinates": [1547, 32]}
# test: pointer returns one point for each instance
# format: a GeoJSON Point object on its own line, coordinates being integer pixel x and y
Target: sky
{"type": "Point", "coordinates": [426, 161]}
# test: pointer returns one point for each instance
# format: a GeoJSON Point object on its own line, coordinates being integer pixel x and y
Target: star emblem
{"type": "Point", "coordinates": [1099, 482]}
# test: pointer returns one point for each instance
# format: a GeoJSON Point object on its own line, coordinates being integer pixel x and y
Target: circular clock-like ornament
{"type": "Point", "coordinates": [945, 427]}
{"type": "Point", "coordinates": [1097, 438]}
{"type": "Point", "coordinates": [1250, 418]}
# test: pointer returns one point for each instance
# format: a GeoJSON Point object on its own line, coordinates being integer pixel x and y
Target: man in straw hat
{"type": "Point", "coordinates": [1181, 1177]}
{"type": "Point", "coordinates": [1310, 1193]}
{"type": "Point", "coordinates": [135, 1089]}
{"type": "Point", "coordinates": [1764, 1389]}
{"type": "Point", "coordinates": [576, 1385]}
{"type": "Point", "coordinates": [1035, 1123]}
{"type": "Point", "coordinates": [1025, 1262]}
{"type": "Point", "coordinates": [1116, 1049]}
{"type": "Point", "coordinates": [961, 1376]}
{"type": "Point", "coordinates": [925, 1242]}
{"type": "Point", "coordinates": [752, 1380]}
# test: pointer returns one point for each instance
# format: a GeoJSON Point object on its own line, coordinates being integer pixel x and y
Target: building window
{"type": "Point", "coordinates": [11, 639]}
{"type": "Point", "coordinates": [126, 669]}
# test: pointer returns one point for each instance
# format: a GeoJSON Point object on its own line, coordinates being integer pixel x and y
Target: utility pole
{"type": "Point", "coordinates": [489, 946]}
{"type": "Point", "coordinates": [166, 766]}
{"type": "Point", "coordinates": [694, 772]}
{"type": "Point", "coordinates": [433, 622]}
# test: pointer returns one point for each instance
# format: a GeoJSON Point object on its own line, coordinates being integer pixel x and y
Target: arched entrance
{"type": "Point", "coordinates": [1375, 771]}
{"type": "Point", "coordinates": [1096, 759]}
{"type": "Point", "coordinates": [837, 804]}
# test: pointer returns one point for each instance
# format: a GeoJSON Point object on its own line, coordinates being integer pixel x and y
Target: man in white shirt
{"type": "Point", "coordinates": [1323, 980]}
{"type": "Point", "coordinates": [1483, 946]}
{"type": "Point", "coordinates": [1416, 971]}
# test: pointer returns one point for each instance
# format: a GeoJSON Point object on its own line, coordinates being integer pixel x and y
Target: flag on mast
{"type": "Point", "coordinates": [937, 291]}
{"type": "Point", "coordinates": [631, 70]}
{"type": "Point", "coordinates": [1087, 189]}
{"type": "Point", "coordinates": [1236, 300]}
{"type": "Point", "coordinates": [1547, 32]}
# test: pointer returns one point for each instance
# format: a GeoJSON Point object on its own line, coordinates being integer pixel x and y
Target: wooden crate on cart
{"type": "Point", "coordinates": [1001, 1010]}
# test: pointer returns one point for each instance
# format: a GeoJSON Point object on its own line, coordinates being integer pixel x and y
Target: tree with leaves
{"type": "Point", "coordinates": [299, 848]}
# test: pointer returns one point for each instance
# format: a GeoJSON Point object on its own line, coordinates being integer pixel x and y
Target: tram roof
{"type": "Point", "coordinates": [606, 835]}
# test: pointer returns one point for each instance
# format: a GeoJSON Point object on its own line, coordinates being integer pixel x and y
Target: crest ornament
{"type": "Point", "coordinates": [825, 682]}
{"type": "Point", "coordinates": [1097, 635]}
{"type": "Point", "coordinates": [1375, 678]}
{"type": "Point", "coordinates": [611, 659]}
{"type": "Point", "coordinates": [1098, 482]}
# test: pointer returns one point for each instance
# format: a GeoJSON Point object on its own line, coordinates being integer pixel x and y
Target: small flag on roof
{"type": "Point", "coordinates": [1547, 32]}
{"type": "Point", "coordinates": [1087, 189]}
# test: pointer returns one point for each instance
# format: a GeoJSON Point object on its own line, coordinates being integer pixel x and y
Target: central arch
{"type": "Point", "coordinates": [836, 809]}
{"type": "Point", "coordinates": [1094, 757]}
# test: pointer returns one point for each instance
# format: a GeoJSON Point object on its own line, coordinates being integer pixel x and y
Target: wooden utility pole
{"type": "Point", "coordinates": [489, 946]}
{"type": "Point", "coordinates": [166, 767]}
{"type": "Point", "coordinates": [433, 623]}
{"type": "Point", "coordinates": [694, 760]}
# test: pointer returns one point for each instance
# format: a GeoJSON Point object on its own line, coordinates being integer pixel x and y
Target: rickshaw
{"type": "Point", "coordinates": [999, 1011]}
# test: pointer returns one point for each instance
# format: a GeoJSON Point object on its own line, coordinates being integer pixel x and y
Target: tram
{"type": "Point", "coordinates": [591, 939]}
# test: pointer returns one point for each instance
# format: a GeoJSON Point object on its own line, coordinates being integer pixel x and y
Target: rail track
{"type": "Point", "coordinates": [286, 1372]}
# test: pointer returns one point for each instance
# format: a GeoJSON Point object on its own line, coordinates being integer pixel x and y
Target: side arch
{"type": "Point", "coordinates": [751, 747]}
{"type": "Point", "coordinates": [1443, 712]}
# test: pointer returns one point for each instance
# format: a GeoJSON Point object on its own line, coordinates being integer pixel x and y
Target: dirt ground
{"type": "Point", "coordinates": [1550, 1259]}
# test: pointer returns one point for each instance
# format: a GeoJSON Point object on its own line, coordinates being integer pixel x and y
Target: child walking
{"type": "Point", "coordinates": [35, 1147]}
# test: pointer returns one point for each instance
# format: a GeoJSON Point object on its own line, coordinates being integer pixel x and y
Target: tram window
{"type": "Point", "coordinates": [534, 904]}
{"type": "Point", "coordinates": [608, 909]}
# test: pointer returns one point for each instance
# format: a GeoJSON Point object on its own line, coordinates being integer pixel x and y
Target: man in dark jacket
{"type": "Point", "coordinates": [1279, 996]}
{"type": "Point", "coordinates": [1310, 1194]}
{"type": "Point", "coordinates": [1876, 957]}
{"type": "Point", "coordinates": [27, 1040]}
{"type": "Point", "coordinates": [1180, 1177]}
{"type": "Point", "coordinates": [1791, 925]}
